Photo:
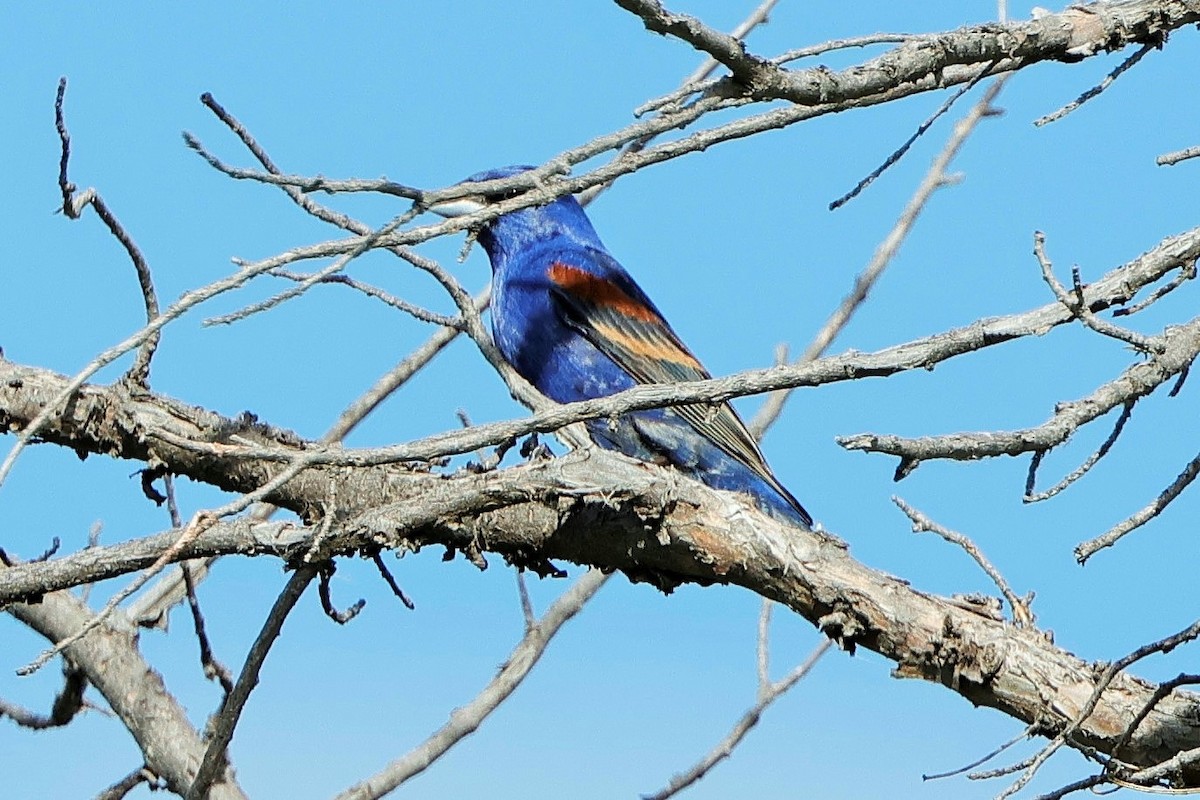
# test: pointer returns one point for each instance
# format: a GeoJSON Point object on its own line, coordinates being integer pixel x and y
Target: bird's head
{"type": "Point", "coordinates": [502, 237]}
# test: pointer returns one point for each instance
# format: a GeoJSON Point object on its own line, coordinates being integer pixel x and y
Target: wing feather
{"type": "Point", "coordinates": [619, 320]}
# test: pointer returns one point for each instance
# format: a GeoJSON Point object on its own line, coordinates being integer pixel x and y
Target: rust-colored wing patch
{"type": "Point", "coordinates": [598, 291]}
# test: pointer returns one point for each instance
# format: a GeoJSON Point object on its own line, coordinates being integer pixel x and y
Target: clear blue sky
{"type": "Point", "coordinates": [735, 245]}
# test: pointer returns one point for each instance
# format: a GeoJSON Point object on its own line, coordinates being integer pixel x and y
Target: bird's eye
{"type": "Point", "coordinates": [505, 195]}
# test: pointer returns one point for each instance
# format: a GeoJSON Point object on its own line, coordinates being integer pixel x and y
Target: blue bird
{"type": "Point", "coordinates": [573, 323]}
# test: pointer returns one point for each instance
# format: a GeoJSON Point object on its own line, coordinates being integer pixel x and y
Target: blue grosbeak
{"type": "Point", "coordinates": [574, 323]}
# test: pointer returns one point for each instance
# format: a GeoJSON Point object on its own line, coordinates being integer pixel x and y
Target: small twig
{"type": "Point", "coordinates": [197, 526]}
{"type": "Point", "coordinates": [213, 669]}
{"type": "Point", "coordinates": [843, 44]}
{"type": "Point", "coordinates": [1035, 497]}
{"type": "Point", "coordinates": [377, 558]}
{"type": "Point", "coordinates": [366, 243]}
{"type": "Point", "coordinates": [1100, 87]}
{"type": "Point", "coordinates": [1089, 548]}
{"type": "Point", "coordinates": [934, 179]}
{"type": "Point", "coordinates": [763, 648]}
{"type": "Point", "coordinates": [49, 552]}
{"type": "Point", "coordinates": [899, 152]}
{"type": "Point", "coordinates": [298, 182]}
{"type": "Point", "coordinates": [1022, 616]}
{"type": "Point", "coordinates": [1030, 730]}
{"type": "Point", "coordinates": [1071, 788]}
{"type": "Point", "coordinates": [73, 207]}
{"type": "Point", "coordinates": [726, 746]}
{"type": "Point", "coordinates": [526, 603]}
{"type": "Point", "coordinates": [231, 709]}
{"type": "Point", "coordinates": [1186, 273]}
{"type": "Point", "coordinates": [466, 719]}
{"type": "Point", "coordinates": [1000, 772]}
{"type": "Point", "coordinates": [130, 782]}
{"type": "Point", "coordinates": [415, 311]}
{"type": "Point", "coordinates": [67, 704]}
{"type": "Point", "coordinates": [1172, 158]}
{"type": "Point", "coordinates": [340, 617]}
{"type": "Point", "coordinates": [1075, 303]}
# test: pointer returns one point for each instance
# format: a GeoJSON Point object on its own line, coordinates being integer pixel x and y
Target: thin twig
{"type": "Point", "coordinates": [1186, 273]}
{"type": "Point", "coordinates": [212, 668]}
{"type": "Point", "coordinates": [899, 152]}
{"type": "Point", "coordinates": [130, 782]}
{"type": "Point", "coordinates": [726, 746]}
{"type": "Point", "coordinates": [388, 578]}
{"type": "Point", "coordinates": [1029, 731]}
{"type": "Point", "coordinates": [843, 44]}
{"type": "Point", "coordinates": [231, 709]}
{"type": "Point", "coordinates": [526, 603]}
{"type": "Point", "coordinates": [1110, 537]}
{"type": "Point", "coordinates": [73, 206]}
{"type": "Point", "coordinates": [1022, 616]}
{"type": "Point", "coordinates": [340, 617]}
{"type": "Point", "coordinates": [1036, 497]}
{"type": "Point", "coordinates": [763, 649]}
{"type": "Point", "coordinates": [1074, 302]}
{"type": "Point", "coordinates": [413, 310]}
{"type": "Point", "coordinates": [466, 719]}
{"type": "Point", "coordinates": [1076, 786]}
{"type": "Point", "coordinates": [1100, 87]}
{"type": "Point", "coordinates": [934, 179]}
{"type": "Point", "coordinates": [1164, 645]}
{"type": "Point", "coordinates": [339, 264]}
{"type": "Point", "coordinates": [197, 526]}
{"type": "Point", "coordinates": [67, 703]}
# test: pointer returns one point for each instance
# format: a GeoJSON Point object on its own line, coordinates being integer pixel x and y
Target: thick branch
{"type": "Point", "coordinates": [171, 746]}
{"type": "Point", "coordinates": [598, 509]}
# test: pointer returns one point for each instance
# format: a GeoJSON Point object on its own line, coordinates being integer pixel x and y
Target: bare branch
{"type": "Point", "coordinates": [1031, 496]}
{"type": "Point", "coordinates": [1074, 302]}
{"type": "Point", "coordinates": [1022, 615]}
{"type": "Point", "coordinates": [1170, 159]}
{"type": "Point", "coordinates": [725, 747]}
{"type": "Point", "coordinates": [1089, 548]}
{"type": "Point", "coordinates": [73, 207]}
{"type": "Point", "coordinates": [1175, 764]}
{"type": "Point", "coordinates": [1100, 87]}
{"type": "Point", "coordinates": [231, 709]}
{"type": "Point", "coordinates": [1181, 346]}
{"type": "Point", "coordinates": [170, 745]}
{"type": "Point", "coordinates": [465, 720]}
{"type": "Point", "coordinates": [934, 179]}
{"type": "Point", "coordinates": [415, 311]}
{"type": "Point", "coordinates": [67, 704]}
{"type": "Point", "coordinates": [597, 508]}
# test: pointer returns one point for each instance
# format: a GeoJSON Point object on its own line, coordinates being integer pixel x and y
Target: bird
{"type": "Point", "coordinates": [573, 322]}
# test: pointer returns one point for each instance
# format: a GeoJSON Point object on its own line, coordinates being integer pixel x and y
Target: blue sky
{"type": "Point", "coordinates": [737, 247]}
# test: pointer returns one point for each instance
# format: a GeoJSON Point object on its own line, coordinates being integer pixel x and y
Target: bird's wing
{"type": "Point", "coordinates": [615, 316]}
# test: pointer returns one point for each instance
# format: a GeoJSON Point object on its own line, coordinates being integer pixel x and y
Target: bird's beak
{"type": "Point", "coordinates": [458, 208]}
